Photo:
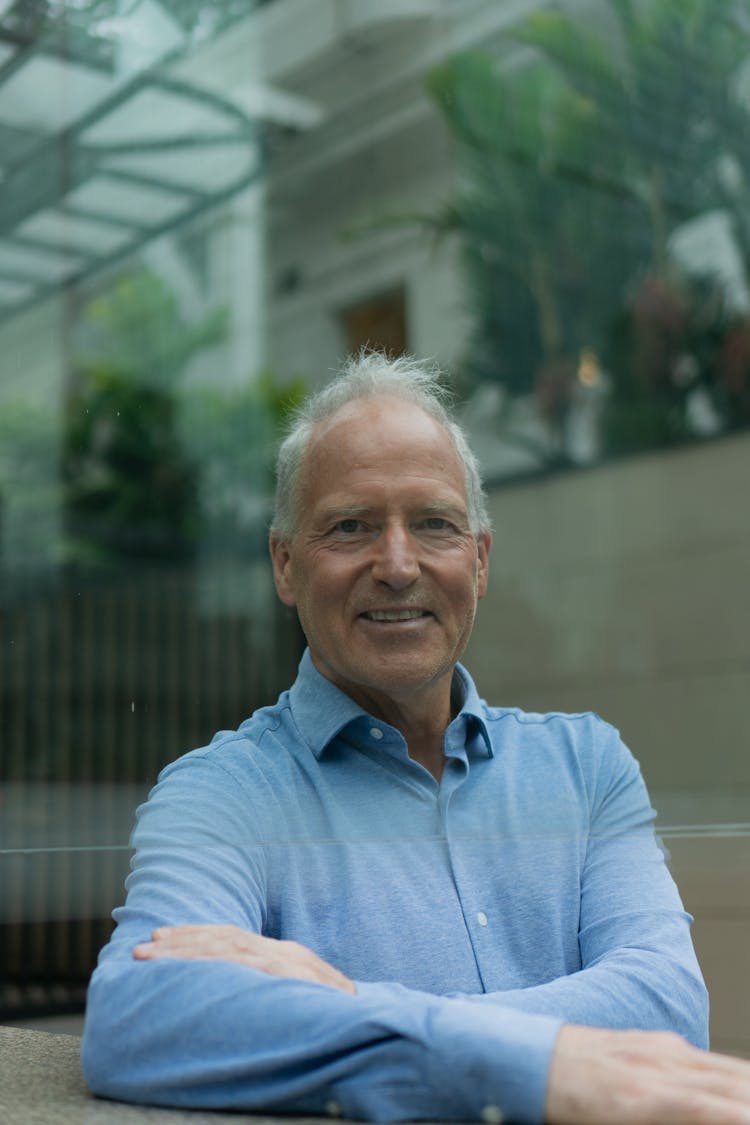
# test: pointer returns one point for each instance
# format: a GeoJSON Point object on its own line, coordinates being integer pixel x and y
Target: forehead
{"type": "Point", "coordinates": [381, 441]}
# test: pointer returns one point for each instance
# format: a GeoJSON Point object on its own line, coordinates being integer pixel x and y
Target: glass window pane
{"type": "Point", "coordinates": [204, 206]}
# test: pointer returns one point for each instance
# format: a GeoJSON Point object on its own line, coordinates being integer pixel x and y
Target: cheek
{"type": "Point", "coordinates": [465, 582]}
{"type": "Point", "coordinates": [331, 576]}
{"type": "Point", "coordinates": [320, 595]}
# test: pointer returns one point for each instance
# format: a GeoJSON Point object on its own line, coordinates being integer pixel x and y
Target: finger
{"type": "Point", "coordinates": [152, 950]}
{"type": "Point", "coordinates": [704, 1070]}
{"type": "Point", "coordinates": [698, 1108]}
{"type": "Point", "coordinates": [196, 929]}
{"type": "Point", "coordinates": [721, 1077]}
{"type": "Point", "coordinates": [229, 943]}
{"type": "Point", "coordinates": [145, 951]}
{"type": "Point", "coordinates": [726, 1064]}
{"type": "Point", "coordinates": [325, 975]}
{"type": "Point", "coordinates": [213, 943]}
{"type": "Point", "coordinates": [174, 942]}
{"type": "Point", "coordinates": [204, 932]}
{"type": "Point", "coordinates": [322, 970]}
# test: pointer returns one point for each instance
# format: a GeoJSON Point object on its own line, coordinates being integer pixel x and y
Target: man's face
{"type": "Point", "coordinates": [383, 569]}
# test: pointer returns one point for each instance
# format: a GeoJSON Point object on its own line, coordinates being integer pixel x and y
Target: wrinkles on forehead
{"type": "Point", "coordinates": [376, 450]}
{"type": "Point", "coordinates": [358, 422]}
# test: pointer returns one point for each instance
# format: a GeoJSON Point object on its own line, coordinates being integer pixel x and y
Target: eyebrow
{"type": "Point", "coordinates": [354, 511]}
{"type": "Point", "coordinates": [447, 509]}
{"type": "Point", "coordinates": [343, 512]}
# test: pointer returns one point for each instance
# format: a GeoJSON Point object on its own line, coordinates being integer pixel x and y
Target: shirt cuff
{"type": "Point", "coordinates": [481, 1063]}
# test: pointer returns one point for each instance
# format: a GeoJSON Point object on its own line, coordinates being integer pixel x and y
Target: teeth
{"type": "Point", "coordinates": [393, 615]}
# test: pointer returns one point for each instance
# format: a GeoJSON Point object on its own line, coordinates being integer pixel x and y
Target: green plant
{"type": "Point", "coordinates": [232, 435]}
{"type": "Point", "coordinates": [130, 486]}
{"type": "Point", "coordinates": [667, 82]}
{"type": "Point", "coordinates": [579, 164]}
{"type": "Point", "coordinates": [136, 327]}
{"type": "Point", "coordinates": [539, 236]}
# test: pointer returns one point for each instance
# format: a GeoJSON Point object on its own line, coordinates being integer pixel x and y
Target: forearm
{"type": "Point", "coordinates": [212, 1034]}
{"type": "Point", "coordinates": [634, 991]}
{"type": "Point", "coordinates": [637, 966]}
{"type": "Point", "coordinates": [643, 976]}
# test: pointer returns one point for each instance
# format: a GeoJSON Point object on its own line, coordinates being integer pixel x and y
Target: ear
{"type": "Point", "coordinates": [484, 545]}
{"type": "Point", "coordinates": [281, 560]}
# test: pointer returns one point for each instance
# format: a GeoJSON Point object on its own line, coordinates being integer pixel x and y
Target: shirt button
{"type": "Point", "coordinates": [482, 918]}
{"type": "Point", "coordinates": [333, 1109]}
{"type": "Point", "coordinates": [492, 1114]}
{"type": "Point", "coordinates": [376, 733]}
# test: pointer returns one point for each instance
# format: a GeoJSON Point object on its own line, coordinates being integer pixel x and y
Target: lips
{"type": "Point", "coordinates": [394, 615]}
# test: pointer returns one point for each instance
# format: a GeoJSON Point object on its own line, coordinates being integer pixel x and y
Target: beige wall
{"type": "Point", "coordinates": [626, 590]}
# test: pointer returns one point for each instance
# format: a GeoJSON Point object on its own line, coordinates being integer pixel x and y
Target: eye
{"type": "Point", "coordinates": [437, 523]}
{"type": "Point", "coordinates": [348, 526]}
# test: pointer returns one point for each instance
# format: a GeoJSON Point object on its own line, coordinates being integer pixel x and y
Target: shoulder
{"type": "Point", "coordinates": [239, 774]}
{"type": "Point", "coordinates": [580, 745]}
{"type": "Point", "coordinates": [554, 729]}
{"type": "Point", "coordinates": [258, 742]}
{"type": "Point", "coordinates": [580, 728]}
{"type": "Point", "coordinates": [236, 787]}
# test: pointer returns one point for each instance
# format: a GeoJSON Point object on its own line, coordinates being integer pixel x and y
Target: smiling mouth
{"type": "Point", "coordinates": [395, 614]}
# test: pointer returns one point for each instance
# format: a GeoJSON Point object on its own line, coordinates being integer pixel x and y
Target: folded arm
{"type": "Point", "coordinates": [217, 1033]}
{"type": "Point", "coordinates": [623, 1077]}
{"type": "Point", "coordinates": [639, 968]}
{"type": "Point", "coordinates": [638, 965]}
{"type": "Point", "coordinates": [202, 1025]}
{"type": "Point", "coordinates": [192, 1026]}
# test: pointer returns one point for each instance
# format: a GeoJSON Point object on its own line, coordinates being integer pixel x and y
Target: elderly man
{"type": "Point", "coordinates": [381, 898]}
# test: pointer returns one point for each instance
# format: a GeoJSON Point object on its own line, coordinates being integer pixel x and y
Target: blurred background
{"type": "Point", "coordinates": [204, 205]}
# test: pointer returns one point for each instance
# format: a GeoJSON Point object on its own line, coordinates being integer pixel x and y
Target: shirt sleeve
{"type": "Point", "coordinates": [639, 968]}
{"type": "Point", "coordinates": [211, 1034]}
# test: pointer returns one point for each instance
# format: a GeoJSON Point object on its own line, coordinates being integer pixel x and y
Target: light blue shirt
{"type": "Point", "coordinates": [477, 914]}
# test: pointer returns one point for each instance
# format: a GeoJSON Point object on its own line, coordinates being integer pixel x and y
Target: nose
{"type": "Point", "coordinates": [396, 561]}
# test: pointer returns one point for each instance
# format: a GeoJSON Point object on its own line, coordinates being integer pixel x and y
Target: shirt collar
{"type": "Point", "coordinates": [321, 710]}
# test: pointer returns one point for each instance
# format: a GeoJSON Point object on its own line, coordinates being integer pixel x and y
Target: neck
{"type": "Point", "coordinates": [429, 753]}
{"type": "Point", "coordinates": [421, 713]}
{"type": "Point", "coordinates": [422, 723]}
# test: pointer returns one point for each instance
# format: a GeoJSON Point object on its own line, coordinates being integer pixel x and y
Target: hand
{"type": "Point", "coordinates": [230, 943]}
{"type": "Point", "coordinates": [643, 1078]}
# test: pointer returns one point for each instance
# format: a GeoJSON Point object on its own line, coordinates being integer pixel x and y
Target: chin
{"type": "Point", "coordinates": [408, 676]}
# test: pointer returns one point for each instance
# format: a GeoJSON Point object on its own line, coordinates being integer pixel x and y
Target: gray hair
{"type": "Point", "coordinates": [366, 375]}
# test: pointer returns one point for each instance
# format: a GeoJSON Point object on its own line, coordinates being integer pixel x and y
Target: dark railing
{"type": "Point", "coordinates": [101, 684]}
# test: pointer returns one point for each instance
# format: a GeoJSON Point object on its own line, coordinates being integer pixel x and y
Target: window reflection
{"type": "Point", "coordinates": [203, 206]}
